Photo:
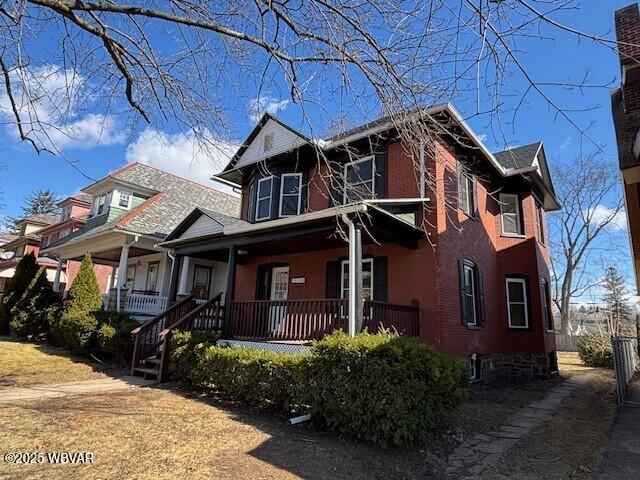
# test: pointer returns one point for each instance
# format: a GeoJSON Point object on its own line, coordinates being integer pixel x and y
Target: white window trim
{"type": "Point", "coordinates": [468, 179]}
{"type": "Point", "coordinates": [518, 215]}
{"type": "Point", "coordinates": [522, 282]}
{"type": "Point", "coordinates": [371, 158]}
{"type": "Point", "coordinates": [473, 371]}
{"type": "Point", "coordinates": [299, 176]}
{"type": "Point", "coordinates": [270, 197]}
{"type": "Point", "coordinates": [473, 292]}
{"type": "Point", "coordinates": [130, 194]}
{"type": "Point", "coordinates": [342, 285]}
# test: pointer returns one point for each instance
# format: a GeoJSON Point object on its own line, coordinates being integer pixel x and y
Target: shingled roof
{"type": "Point", "coordinates": [518, 157]}
{"type": "Point", "coordinates": [40, 218]}
{"type": "Point", "coordinates": [176, 197]}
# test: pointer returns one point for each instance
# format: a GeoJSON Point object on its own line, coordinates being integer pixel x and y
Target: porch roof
{"type": "Point", "coordinates": [308, 231]}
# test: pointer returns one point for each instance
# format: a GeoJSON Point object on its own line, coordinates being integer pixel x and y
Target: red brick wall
{"type": "Point", "coordinates": [102, 273]}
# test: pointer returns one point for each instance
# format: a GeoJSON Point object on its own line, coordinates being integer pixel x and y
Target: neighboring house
{"type": "Point", "coordinates": [27, 241]}
{"type": "Point", "coordinates": [132, 210]}
{"type": "Point", "coordinates": [74, 212]}
{"type": "Point", "coordinates": [477, 286]}
{"type": "Point", "coordinates": [625, 106]}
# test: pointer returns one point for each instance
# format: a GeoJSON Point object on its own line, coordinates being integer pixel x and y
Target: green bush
{"type": "Point", "coordinates": [257, 377]}
{"type": "Point", "coordinates": [383, 388]}
{"type": "Point", "coordinates": [114, 335]}
{"type": "Point", "coordinates": [78, 331]}
{"type": "Point", "coordinates": [595, 350]}
{"type": "Point", "coordinates": [26, 270]}
{"type": "Point", "coordinates": [31, 314]}
{"type": "Point", "coordinates": [84, 294]}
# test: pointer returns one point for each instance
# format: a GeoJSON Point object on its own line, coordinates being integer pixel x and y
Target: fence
{"type": "Point", "coordinates": [625, 361]}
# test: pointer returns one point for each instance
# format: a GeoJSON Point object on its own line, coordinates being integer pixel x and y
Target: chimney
{"type": "Point", "coordinates": [628, 35]}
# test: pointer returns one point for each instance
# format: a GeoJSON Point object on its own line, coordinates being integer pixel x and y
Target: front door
{"type": "Point", "coordinates": [279, 292]}
{"type": "Point", "coordinates": [201, 282]}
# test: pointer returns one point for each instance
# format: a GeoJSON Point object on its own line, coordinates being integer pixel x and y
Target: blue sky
{"type": "Point", "coordinates": [565, 58]}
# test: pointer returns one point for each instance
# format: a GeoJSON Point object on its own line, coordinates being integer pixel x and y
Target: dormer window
{"type": "Point", "coordinates": [124, 199]}
{"type": "Point", "coordinates": [66, 213]}
{"type": "Point", "coordinates": [263, 198]}
{"type": "Point", "coordinates": [359, 180]}
{"type": "Point", "coordinates": [101, 203]}
{"type": "Point", "coordinates": [268, 142]}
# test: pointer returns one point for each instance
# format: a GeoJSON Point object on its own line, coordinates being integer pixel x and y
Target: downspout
{"type": "Point", "coordinates": [120, 272]}
{"type": "Point", "coordinates": [422, 170]}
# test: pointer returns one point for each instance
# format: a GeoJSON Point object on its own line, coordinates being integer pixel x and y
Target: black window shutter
{"type": "Point", "coordinates": [381, 175]}
{"type": "Point", "coordinates": [251, 210]}
{"type": "Point", "coordinates": [482, 319]}
{"type": "Point", "coordinates": [336, 188]}
{"type": "Point", "coordinates": [463, 303]}
{"type": "Point", "coordinates": [263, 282]}
{"type": "Point", "coordinates": [380, 269]}
{"type": "Point", "coordinates": [332, 284]}
{"type": "Point", "coordinates": [475, 196]}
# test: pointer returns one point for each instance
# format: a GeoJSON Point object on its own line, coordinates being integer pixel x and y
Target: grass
{"type": "Point", "coordinates": [23, 364]}
{"type": "Point", "coordinates": [162, 433]}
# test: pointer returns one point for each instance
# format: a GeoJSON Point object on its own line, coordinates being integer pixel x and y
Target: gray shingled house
{"type": "Point", "coordinates": [133, 209]}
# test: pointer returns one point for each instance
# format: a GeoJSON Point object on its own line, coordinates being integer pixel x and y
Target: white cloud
{"type": "Point", "coordinates": [182, 154]}
{"type": "Point", "coordinates": [565, 144]}
{"type": "Point", "coordinates": [47, 99]}
{"type": "Point", "coordinates": [482, 137]}
{"type": "Point", "coordinates": [602, 213]}
{"type": "Point", "coordinates": [265, 103]}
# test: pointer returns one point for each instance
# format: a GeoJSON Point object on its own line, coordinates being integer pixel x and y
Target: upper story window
{"type": "Point", "coordinates": [540, 222]}
{"type": "Point", "coordinates": [359, 180]}
{"type": "Point", "coordinates": [124, 199]}
{"type": "Point", "coordinates": [263, 198]}
{"type": "Point", "coordinates": [66, 213]}
{"type": "Point", "coordinates": [101, 203]}
{"type": "Point", "coordinates": [290, 194]}
{"type": "Point", "coordinates": [466, 185]}
{"type": "Point", "coordinates": [510, 214]}
{"type": "Point", "coordinates": [267, 143]}
{"type": "Point", "coordinates": [517, 307]}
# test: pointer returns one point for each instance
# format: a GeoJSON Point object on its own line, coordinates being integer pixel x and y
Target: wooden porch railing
{"type": "Point", "coordinates": [207, 316]}
{"type": "Point", "coordinates": [146, 337]}
{"type": "Point", "coordinates": [304, 320]}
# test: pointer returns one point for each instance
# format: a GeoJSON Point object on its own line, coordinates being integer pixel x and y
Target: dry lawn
{"type": "Point", "coordinates": [23, 364]}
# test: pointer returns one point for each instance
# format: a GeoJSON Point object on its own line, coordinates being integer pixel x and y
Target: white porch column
{"type": "Point", "coordinates": [56, 280]}
{"type": "Point", "coordinates": [355, 277]}
{"type": "Point", "coordinates": [122, 273]}
{"type": "Point", "coordinates": [184, 276]}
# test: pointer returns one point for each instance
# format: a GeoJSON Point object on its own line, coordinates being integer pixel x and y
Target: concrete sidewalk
{"type": "Point", "coordinates": [620, 460]}
{"type": "Point", "coordinates": [36, 392]}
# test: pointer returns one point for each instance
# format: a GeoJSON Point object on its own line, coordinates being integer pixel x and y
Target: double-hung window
{"type": "Point", "coordinates": [263, 198]}
{"type": "Point", "coordinates": [510, 214]}
{"type": "Point", "coordinates": [124, 199]}
{"type": "Point", "coordinates": [517, 308]}
{"type": "Point", "coordinates": [367, 279]}
{"type": "Point", "coordinates": [466, 197]}
{"type": "Point", "coordinates": [359, 180]}
{"type": "Point", "coordinates": [470, 293]}
{"type": "Point", "coordinates": [102, 203]}
{"type": "Point", "coordinates": [290, 194]}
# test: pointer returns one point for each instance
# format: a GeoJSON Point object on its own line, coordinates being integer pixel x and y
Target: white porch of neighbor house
{"type": "Point", "coordinates": [202, 278]}
{"type": "Point", "coordinates": [141, 272]}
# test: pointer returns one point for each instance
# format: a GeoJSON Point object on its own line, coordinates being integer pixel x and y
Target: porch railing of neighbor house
{"type": "Point", "coordinates": [304, 320]}
{"type": "Point", "coordinates": [146, 337]}
{"type": "Point", "coordinates": [149, 304]}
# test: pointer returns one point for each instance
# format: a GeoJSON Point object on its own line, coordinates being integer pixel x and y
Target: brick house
{"type": "Point", "coordinates": [74, 211]}
{"type": "Point", "coordinates": [460, 261]}
{"type": "Point", "coordinates": [625, 106]}
{"type": "Point", "coordinates": [26, 241]}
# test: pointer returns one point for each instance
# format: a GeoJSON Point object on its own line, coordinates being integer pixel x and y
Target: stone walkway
{"type": "Point", "coordinates": [484, 450]}
{"type": "Point", "coordinates": [36, 392]}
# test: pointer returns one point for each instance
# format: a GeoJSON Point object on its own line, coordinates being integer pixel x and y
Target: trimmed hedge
{"type": "Point", "coordinates": [595, 350]}
{"type": "Point", "coordinates": [381, 388]}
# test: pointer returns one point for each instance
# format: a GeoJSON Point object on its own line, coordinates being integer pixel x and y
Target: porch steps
{"type": "Point", "coordinates": [146, 372]}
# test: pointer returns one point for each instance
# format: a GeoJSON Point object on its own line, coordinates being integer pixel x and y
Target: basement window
{"type": "Point", "coordinates": [475, 373]}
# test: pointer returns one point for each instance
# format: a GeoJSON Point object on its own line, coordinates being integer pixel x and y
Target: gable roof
{"type": "Point", "coordinates": [39, 219]}
{"type": "Point", "coordinates": [164, 211]}
{"type": "Point", "coordinates": [519, 157]}
{"type": "Point", "coordinates": [210, 222]}
{"type": "Point", "coordinates": [81, 197]}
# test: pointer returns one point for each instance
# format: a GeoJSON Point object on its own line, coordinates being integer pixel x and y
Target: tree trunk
{"type": "Point", "coordinates": [565, 307]}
